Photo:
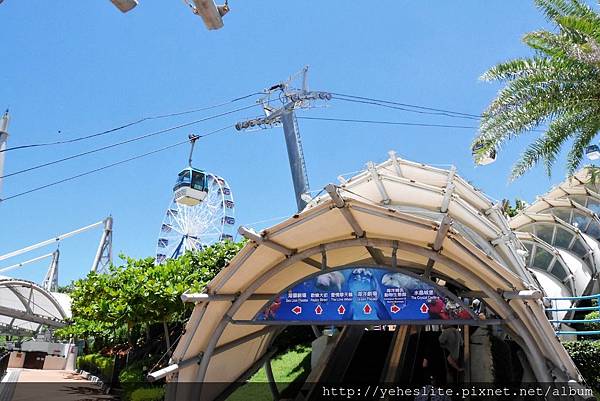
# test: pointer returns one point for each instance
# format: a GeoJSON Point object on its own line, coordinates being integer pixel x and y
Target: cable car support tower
{"type": "Point", "coordinates": [101, 262]}
{"type": "Point", "coordinates": [291, 99]}
{"type": "Point", "coordinates": [3, 139]}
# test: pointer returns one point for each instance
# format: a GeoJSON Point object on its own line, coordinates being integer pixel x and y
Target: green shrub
{"type": "Point", "coordinates": [148, 394]}
{"type": "Point", "coordinates": [592, 326]}
{"type": "Point", "coordinates": [586, 355]}
{"type": "Point", "coordinates": [97, 364]}
{"type": "Point", "coordinates": [133, 378]}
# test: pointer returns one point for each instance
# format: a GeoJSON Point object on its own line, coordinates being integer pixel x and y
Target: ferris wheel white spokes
{"type": "Point", "coordinates": [194, 227]}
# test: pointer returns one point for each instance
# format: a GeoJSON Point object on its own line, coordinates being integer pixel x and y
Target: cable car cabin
{"type": "Point", "coordinates": [211, 14]}
{"type": "Point", "coordinates": [592, 152]}
{"type": "Point", "coordinates": [191, 187]}
{"type": "Point", "coordinates": [484, 159]}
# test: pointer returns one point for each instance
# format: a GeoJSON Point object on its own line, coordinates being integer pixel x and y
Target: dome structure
{"type": "Point", "coordinates": [403, 216]}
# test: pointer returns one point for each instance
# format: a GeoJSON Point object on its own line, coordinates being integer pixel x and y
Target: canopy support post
{"type": "Point", "coordinates": [271, 379]}
{"type": "Point", "coordinates": [377, 255]}
{"type": "Point", "coordinates": [394, 159]}
{"type": "Point", "coordinates": [437, 243]}
{"type": "Point", "coordinates": [340, 203]}
{"type": "Point", "coordinates": [385, 198]}
{"type": "Point", "coordinates": [466, 355]}
{"type": "Point", "coordinates": [448, 191]}
{"type": "Point", "coordinates": [260, 240]}
{"type": "Point", "coordinates": [395, 255]}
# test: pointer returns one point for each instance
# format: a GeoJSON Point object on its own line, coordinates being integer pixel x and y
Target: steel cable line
{"type": "Point", "coordinates": [456, 113]}
{"type": "Point", "coordinates": [349, 120]}
{"type": "Point", "coordinates": [141, 120]}
{"type": "Point", "coordinates": [113, 145]}
{"type": "Point", "coordinates": [111, 165]}
{"type": "Point", "coordinates": [435, 113]}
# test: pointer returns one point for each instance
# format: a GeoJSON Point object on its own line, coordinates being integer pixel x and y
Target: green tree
{"type": "Point", "coordinates": [557, 89]}
{"type": "Point", "coordinates": [512, 211]}
{"type": "Point", "coordinates": [139, 292]}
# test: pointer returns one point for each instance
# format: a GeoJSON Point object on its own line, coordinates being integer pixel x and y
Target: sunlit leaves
{"type": "Point", "coordinates": [557, 89]}
{"type": "Point", "coordinates": [141, 292]}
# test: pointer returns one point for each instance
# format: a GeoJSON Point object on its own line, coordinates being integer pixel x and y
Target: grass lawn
{"type": "Point", "coordinates": [292, 365]}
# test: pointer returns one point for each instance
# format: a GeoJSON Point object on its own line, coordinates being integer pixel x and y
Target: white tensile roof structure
{"type": "Point", "coordinates": [401, 215]}
{"type": "Point", "coordinates": [25, 307]}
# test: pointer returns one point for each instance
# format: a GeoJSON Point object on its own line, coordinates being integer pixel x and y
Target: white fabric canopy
{"type": "Point", "coordinates": [25, 307]}
{"type": "Point", "coordinates": [427, 217]}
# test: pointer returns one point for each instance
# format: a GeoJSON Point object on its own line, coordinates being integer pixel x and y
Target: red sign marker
{"type": "Point", "coordinates": [297, 310]}
{"type": "Point", "coordinates": [341, 310]}
{"type": "Point", "coordinates": [367, 309]}
{"type": "Point", "coordinates": [318, 310]}
{"type": "Point", "coordinates": [424, 308]}
{"type": "Point", "coordinates": [394, 309]}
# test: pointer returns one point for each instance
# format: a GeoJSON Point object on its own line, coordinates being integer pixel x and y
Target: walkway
{"type": "Point", "coordinates": [52, 385]}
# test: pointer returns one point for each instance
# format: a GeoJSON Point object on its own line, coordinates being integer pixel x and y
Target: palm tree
{"type": "Point", "coordinates": [557, 89]}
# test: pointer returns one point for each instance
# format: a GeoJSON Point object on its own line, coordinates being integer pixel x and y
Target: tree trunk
{"type": "Point", "coordinates": [167, 339]}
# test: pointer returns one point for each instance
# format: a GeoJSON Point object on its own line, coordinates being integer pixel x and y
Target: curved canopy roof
{"type": "Point", "coordinates": [566, 219]}
{"type": "Point", "coordinates": [398, 214]}
{"type": "Point", "coordinates": [25, 307]}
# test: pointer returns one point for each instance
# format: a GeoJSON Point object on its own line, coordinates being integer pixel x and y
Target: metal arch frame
{"type": "Point", "coordinates": [507, 313]}
{"type": "Point", "coordinates": [494, 223]}
{"type": "Point", "coordinates": [339, 202]}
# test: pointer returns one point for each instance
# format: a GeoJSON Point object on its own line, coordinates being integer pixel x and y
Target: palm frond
{"type": "Point", "coordinates": [558, 86]}
{"type": "Point", "coordinates": [554, 9]}
{"type": "Point", "coordinates": [582, 140]}
{"type": "Point", "coordinates": [546, 148]}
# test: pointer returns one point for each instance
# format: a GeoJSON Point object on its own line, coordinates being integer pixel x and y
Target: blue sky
{"type": "Point", "coordinates": [77, 67]}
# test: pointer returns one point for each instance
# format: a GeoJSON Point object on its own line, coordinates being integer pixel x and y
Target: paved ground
{"type": "Point", "coordinates": [54, 385]}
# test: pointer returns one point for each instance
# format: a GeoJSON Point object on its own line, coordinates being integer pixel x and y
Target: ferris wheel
{"type": "Point", "coordinates": [200, 213]}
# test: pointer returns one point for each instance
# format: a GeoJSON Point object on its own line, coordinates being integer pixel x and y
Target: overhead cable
{"type": "Point", "coordinates": [162, 131]}
{"type": "Point", "coordinates": [418, 111]}
{"type": "Point", "coordinates": [109, 165]}
{"type": "Point", "coordinates": [405, 123]}
{"type": "Point", "coordinates": [414, 106]}
{"type": "Point", "coordinates": [141, 120]}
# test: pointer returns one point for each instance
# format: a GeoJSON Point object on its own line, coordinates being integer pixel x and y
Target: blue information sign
{"type": "Point", "coordinates": [363, 293]}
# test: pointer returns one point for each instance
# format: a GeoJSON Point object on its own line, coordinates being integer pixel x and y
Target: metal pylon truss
{"type": "Point", "coordinates": [50, 282]}
{"type": "Point", "coordinates": [103, 258]}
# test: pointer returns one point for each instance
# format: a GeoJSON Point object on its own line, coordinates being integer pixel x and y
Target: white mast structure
{"type": "Point", "coordinates": [3, 139]}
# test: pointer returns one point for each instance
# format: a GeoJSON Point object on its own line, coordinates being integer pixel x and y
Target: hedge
{"type": "Point", "coordinates": [97, 364]}
{"type": "Point", "coordinates": [148, 394]}
{"type": "Point", "coordinates": [586, 355]}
